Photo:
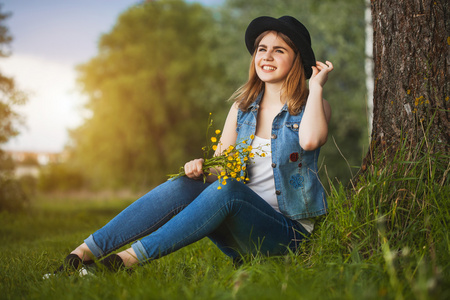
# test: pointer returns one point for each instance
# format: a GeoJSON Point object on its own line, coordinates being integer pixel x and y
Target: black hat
{"type": "Point", "coordinates": [291, 27]}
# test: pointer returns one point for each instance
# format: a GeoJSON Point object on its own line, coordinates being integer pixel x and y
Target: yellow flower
{"type": "Point", "coordinates": [418, 100]}
{"type": "Point", "coordinates": [229, 163]}
{"type": "Point", "coordinates": [219, 187]}
{"type": "Point", "coordinates": [263, 154]}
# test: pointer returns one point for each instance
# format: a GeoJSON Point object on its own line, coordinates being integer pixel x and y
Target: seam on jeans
{"type": "Point", "coordinates": [302, 238]}
{"type": "Point", "coordinates": [231, 201]}
{"type": "Point", "coordinates": [295, 239]}
{"type": "Point", "coordinates": [149, 230]}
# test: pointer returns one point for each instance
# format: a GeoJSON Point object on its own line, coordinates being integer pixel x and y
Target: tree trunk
{"type": "Point", "coordinates": [411, 75]}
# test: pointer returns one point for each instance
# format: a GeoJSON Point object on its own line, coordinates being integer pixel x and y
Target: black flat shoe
{"type": "Point", "coordinates": [71, 264]}
{"type": "Point", "coordinates": [113, 263]}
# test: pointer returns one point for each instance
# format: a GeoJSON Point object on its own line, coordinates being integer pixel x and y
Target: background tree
{"type": "Point", "coordinates": [151, 88]}
{"type": "Point", "coordinates": [12, 196]}
{"type": "Point", "coordinates": [411, 96]}
{"type": "Point", "coordinates": [167, 64]}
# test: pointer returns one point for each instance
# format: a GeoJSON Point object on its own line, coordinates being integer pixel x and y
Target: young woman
{"type": "Point", "coordinates": [271, 214]}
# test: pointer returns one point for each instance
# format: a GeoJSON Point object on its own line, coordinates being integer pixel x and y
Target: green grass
{"type": "Point", "coordinates": [388, 238]}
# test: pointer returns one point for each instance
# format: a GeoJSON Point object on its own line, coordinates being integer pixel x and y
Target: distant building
{"type": "Point", "coordinates": [29, 163]}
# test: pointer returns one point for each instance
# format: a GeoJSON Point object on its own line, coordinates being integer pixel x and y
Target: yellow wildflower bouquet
{"type": "Point", "coordinates": [229, 164]}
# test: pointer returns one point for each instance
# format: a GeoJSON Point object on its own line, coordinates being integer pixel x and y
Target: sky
{"type": "Point", "coordinates": [50, 38]}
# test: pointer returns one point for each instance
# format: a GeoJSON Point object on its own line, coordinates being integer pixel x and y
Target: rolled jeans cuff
{"type": "Point", "coordinates": [140, 252]}
{"type": "Point", "coordinates": [96, 250]}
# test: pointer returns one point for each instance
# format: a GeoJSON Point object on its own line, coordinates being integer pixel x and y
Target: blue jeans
{"type": "Point", "coordinates": [183, 211]}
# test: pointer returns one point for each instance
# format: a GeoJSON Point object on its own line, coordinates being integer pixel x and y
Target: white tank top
{"type": "Point", "coordinates": [261, 176]}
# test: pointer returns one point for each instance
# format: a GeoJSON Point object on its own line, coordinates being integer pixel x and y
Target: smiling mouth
{"type": "Point", "coordinates": [268, 68]}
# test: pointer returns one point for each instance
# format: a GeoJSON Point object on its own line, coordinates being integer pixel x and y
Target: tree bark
{"type": "Point", "coordinates": [411, 75]}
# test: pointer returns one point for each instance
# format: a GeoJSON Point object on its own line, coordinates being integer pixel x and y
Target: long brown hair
{"type": "Point", "coordinates": [294, 88]}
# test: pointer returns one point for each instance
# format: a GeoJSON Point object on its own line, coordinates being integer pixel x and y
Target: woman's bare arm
{"type": "Point", "coordinates": [313, 131]}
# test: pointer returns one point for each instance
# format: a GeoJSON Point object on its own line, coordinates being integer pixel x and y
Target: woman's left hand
{"type": "Point", "coordinates": [320, 73]}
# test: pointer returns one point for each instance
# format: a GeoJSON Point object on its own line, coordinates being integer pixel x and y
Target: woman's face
{"type": "Point", "coordinates": [273, 59]}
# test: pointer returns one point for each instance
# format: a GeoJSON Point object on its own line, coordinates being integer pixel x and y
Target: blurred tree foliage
{"type": "Point", "coordinates": [59, 177]}
{"type": "Point", "coordinates": [151, 88]}
{"type": "Point", "coordinates": [167, 64]}
{"type": "Point", "coordinates": [12, 196]}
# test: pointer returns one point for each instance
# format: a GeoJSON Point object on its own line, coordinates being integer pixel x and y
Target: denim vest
{"type": "Point", "coordinates": [299, 191]}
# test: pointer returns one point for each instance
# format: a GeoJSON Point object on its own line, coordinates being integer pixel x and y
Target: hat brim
{"type": "Point", "coordinates": [262, 24]}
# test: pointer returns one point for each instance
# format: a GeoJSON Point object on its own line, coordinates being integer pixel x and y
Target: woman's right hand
{"type": "Point", "coordinates": [193, 168]}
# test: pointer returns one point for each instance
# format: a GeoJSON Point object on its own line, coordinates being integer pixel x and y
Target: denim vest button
{"type": "Point", "coordinates": [274, 165]}
{"type": "Point", "coordinates": [274, 136]}
{"type": "Point", "coordinates": [278, 192]}
{"type": "Point", "coordinates": [295, 126]}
